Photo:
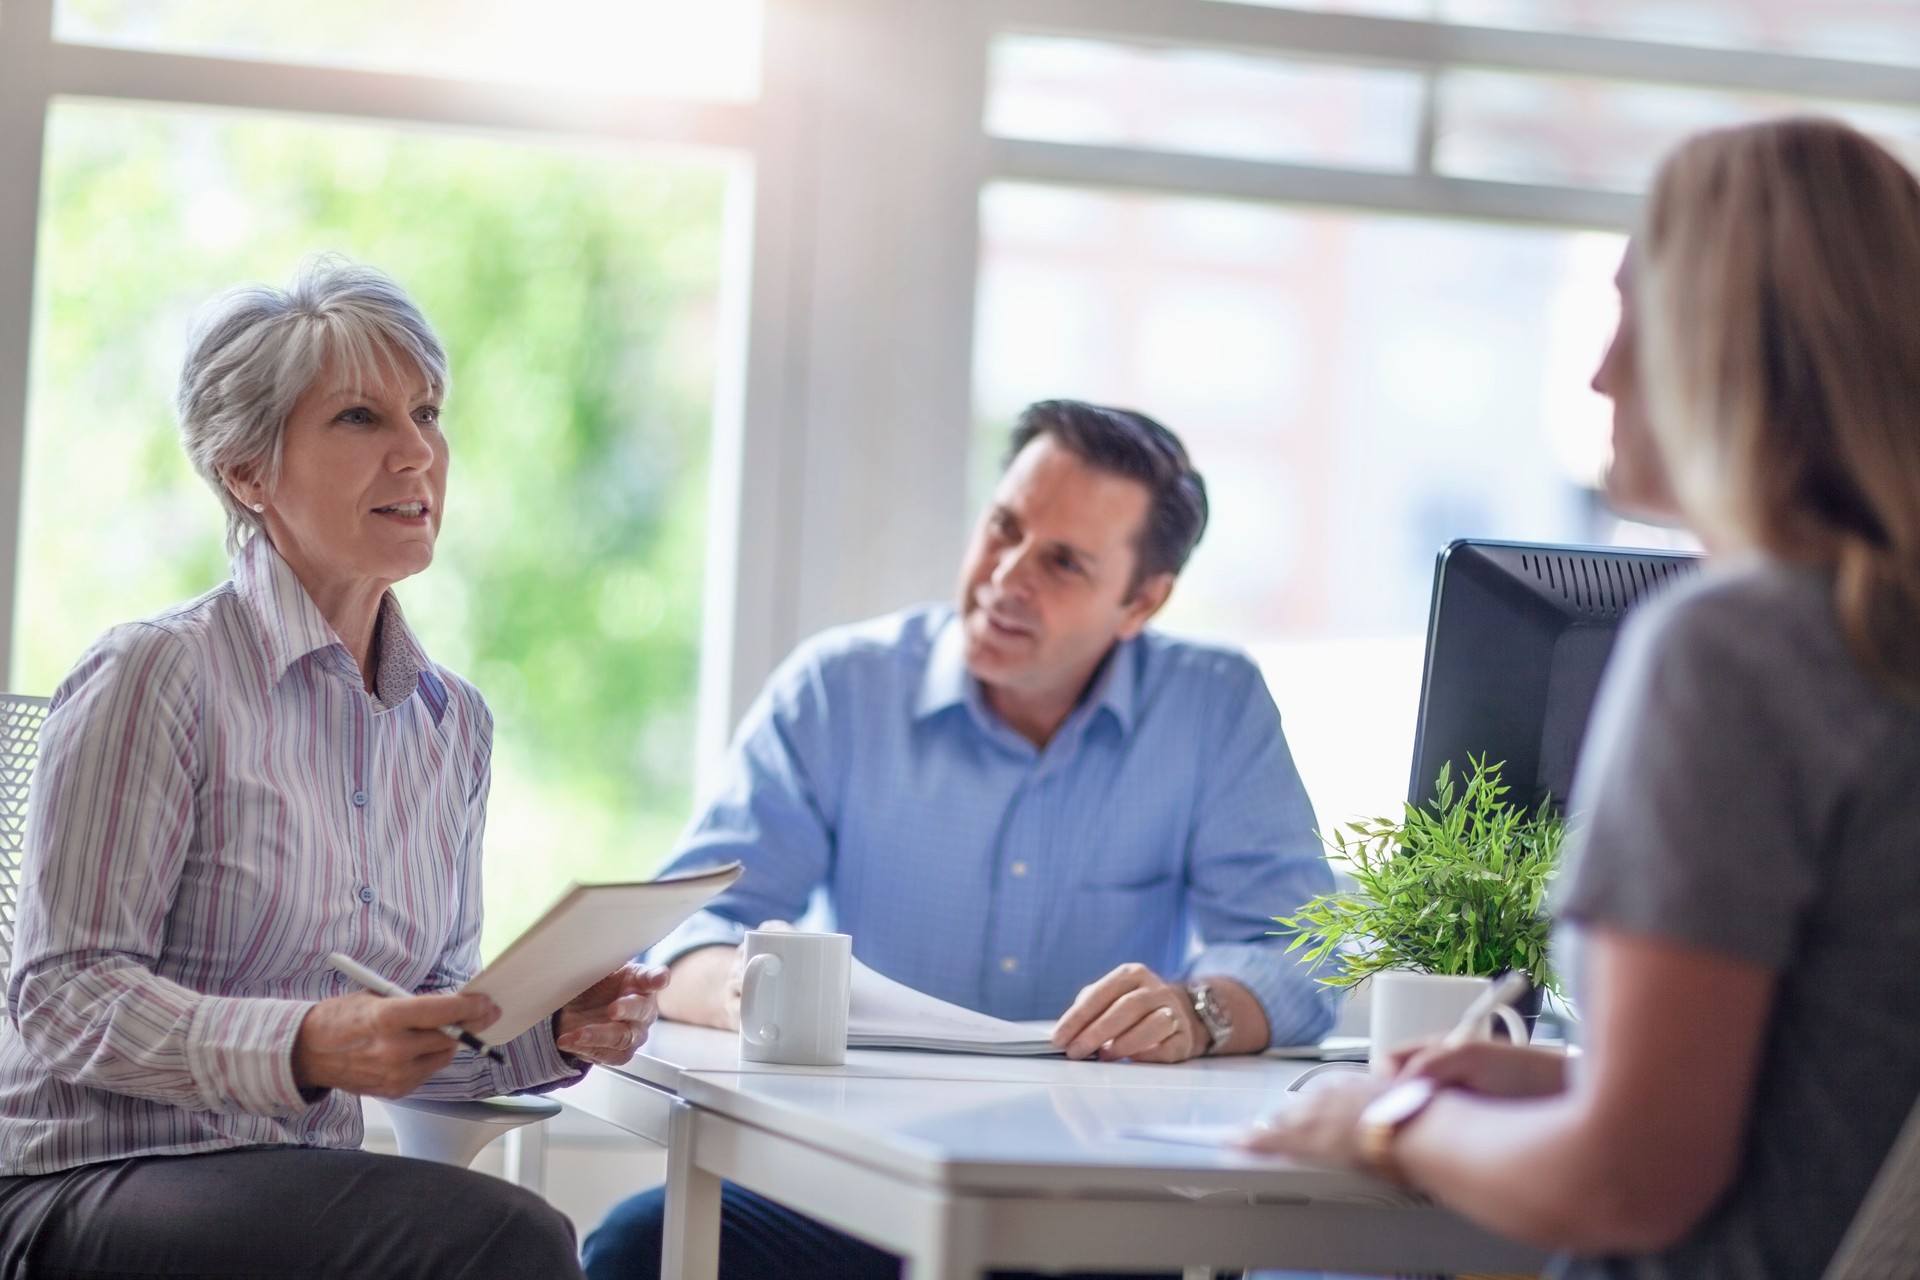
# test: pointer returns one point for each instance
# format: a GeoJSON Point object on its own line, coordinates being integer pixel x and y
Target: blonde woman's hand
{"type": "Point", "coordinates": [1321, 1123]}
{"type": "Point", "coordinates": [1488, 1067]}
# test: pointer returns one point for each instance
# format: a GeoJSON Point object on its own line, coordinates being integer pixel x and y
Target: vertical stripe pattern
{"type": "Point", "coordinates": [219, 804]}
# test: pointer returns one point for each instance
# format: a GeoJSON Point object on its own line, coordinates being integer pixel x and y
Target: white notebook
{"type": "Point", "coordinates": [591, 931]}
{"type": "Point", "coordinates": [884, 1014]}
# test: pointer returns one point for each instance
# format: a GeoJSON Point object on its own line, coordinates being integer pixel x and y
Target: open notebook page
{"type": "Point", "coordinates": [884, 1014]}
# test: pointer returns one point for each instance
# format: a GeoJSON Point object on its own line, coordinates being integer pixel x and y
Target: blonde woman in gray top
{"type": "Point", "coordinates": [1745, 878]}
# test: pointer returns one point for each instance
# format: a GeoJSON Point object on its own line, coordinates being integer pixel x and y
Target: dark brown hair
{"type": "Point", "coordinates": [1124, 443]}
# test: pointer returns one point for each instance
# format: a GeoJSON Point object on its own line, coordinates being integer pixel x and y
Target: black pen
{"type": "Point", "coordinates": [381, 987]}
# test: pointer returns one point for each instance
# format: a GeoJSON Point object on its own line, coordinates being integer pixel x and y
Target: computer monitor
{"type": "Point", "coordinates": [1517, 637]}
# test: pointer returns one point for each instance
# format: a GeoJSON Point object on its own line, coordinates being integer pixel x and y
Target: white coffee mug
{"type": "Point", "coordinates": [793, 998]}
{"type": "Point", "coordinates": [1423, 1006]}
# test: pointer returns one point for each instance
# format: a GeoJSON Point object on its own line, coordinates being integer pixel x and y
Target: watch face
{"type": "Point", "coordinates": [1212, 1013]}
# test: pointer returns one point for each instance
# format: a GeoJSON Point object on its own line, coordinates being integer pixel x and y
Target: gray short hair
{"type": "Point", "coordinates": [253, 351]}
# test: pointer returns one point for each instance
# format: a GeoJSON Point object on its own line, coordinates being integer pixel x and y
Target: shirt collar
{"type": "Point", "coordinates": [291, 627]}
{"type": "Point", "coordinates": [947, 682]}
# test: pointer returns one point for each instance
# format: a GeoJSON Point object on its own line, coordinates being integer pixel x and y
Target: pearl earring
{"type": "Point", "coordinates": [259, 507]}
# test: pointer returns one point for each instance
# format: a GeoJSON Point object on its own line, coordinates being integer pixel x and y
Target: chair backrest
{"type": "Point", "coordinates": [1883, 1241]}
{"type": "Point", "coordinates": [20, 718]}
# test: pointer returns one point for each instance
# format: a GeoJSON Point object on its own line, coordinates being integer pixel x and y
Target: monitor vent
{"type": "Point", "coordinates": [1600, 586]}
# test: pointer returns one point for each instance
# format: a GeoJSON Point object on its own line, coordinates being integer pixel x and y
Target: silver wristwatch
{"type": "Point", "coordinates": [1212, 1013]}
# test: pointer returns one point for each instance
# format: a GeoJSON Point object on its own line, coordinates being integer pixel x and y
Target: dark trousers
{"type": "Point", "coordinates": [276, 1212]}
{"type": "Point", "coordinates": [759, 1240]}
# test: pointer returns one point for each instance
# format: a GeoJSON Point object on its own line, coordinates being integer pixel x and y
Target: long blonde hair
{"type": "Point", "coordinates": [1777, 275]}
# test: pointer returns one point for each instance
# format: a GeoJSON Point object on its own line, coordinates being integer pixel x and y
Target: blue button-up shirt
{"type": "Point", "coordinates": [1164, 823]}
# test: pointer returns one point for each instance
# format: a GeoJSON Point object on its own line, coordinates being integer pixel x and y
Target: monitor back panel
{"type": "Point", "coordinates": [1517, 638]}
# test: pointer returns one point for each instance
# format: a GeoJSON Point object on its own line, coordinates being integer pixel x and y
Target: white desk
{"type": "Point", "coordinates": [963, 1164]}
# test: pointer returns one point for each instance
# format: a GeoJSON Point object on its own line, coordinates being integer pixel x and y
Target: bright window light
{"type": "Point", "coordinates": [675, 48]}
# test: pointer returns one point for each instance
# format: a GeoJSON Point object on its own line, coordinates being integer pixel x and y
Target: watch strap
{"type": "Point", "coordinates": [1383, 1119]}
{"type": "Point", "coordinates": [1212, 1014]}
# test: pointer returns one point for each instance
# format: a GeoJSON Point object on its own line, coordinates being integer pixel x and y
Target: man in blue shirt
{"type": "Point", "coordinates": [1024, 802]}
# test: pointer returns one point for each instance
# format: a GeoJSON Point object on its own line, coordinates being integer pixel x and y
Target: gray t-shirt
{"type": "Point", "coordinates": [1745, 789]}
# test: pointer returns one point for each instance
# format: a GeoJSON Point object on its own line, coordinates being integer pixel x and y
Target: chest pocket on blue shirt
{"type": "Point", "coordinates": [1126, 904]}
{"type": "Point", "coordinates": [1112, 924]}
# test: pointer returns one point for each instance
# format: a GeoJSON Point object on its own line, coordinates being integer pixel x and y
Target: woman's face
{"type": "Point", "coordinates": [363, 478]}
{"type": "Point", "coordinates": [1637, 483]}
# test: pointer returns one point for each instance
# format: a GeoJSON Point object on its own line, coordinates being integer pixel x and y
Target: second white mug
{"type": "Point", "coordinates": [1420, 1006]}
{"type": "Point", "coordinates": [793, 998]}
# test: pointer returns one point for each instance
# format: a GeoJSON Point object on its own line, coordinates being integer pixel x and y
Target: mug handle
{"type": "Point", "coordinates": [761, 967]}
{"type": "Point", "coordinates": [1516, 1025]}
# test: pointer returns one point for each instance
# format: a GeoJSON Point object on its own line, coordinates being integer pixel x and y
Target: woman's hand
{"type": "Point", "coordinates": [1486, 1067]}
{"type": "Point", "coordinates": [382, 1047]}
{"type": "Point", "coordinates": [1320, 1124]}
{"type": "Point", "coordinates": [608, 1021]}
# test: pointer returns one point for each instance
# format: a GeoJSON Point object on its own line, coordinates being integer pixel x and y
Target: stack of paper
{"type": "Point", "coordinates": [883, 1014]}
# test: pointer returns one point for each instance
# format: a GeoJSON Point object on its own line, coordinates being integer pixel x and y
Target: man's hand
{"type": "Point", "coordinates": [608, 1021]}
{"type": "Point", "coordinates": [1132, 1013]}
{"type": "Point", "coordinates": [386, 1048]}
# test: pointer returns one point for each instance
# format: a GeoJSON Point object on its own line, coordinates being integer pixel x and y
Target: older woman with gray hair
{"type": "Point", "coordinates": [230, 791]}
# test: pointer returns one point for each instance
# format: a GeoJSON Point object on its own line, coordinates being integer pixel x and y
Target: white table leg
{"type": "Point", "coordinates": [957, 1249]}
{"type": "Point", "coordinates": [526, 1157]}
{"type": "Point", "coordinates": [691, 1247]}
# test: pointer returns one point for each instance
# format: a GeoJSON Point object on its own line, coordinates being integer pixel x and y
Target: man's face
{"type": "Point", "coordinates": [1044, 587]}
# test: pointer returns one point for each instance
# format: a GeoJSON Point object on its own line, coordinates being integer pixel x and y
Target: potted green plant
{"type": "Point", "coordinates": [1454, 888]}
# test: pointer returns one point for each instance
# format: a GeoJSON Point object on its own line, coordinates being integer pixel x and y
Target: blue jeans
{"type": "Point", "coordinates": [759, 1240]}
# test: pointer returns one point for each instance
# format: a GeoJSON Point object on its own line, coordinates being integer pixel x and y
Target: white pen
{"type": "Point", "coordinates": [1505, 991]}
{"type": "Point", "coordinates": [381, 987]}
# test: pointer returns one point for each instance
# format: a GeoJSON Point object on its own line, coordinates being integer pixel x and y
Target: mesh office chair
{"type": "Point", "coordinates": [20, 719]}
{"type": "Point", "coordinates": [447, 1132]}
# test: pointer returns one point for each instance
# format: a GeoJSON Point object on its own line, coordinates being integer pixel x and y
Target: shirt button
{"type": "Point", "coordinates": [366, 893]}
{"type": "Point", "coordinates": [1018, 868]}
{"type": "Point", "coordinates": [1008, 964]}
{"type": "Point", "coordinates": [359, 799]}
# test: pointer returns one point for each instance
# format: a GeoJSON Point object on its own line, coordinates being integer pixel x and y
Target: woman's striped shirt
{"type": "Point", "coordinates": [219, 804]}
